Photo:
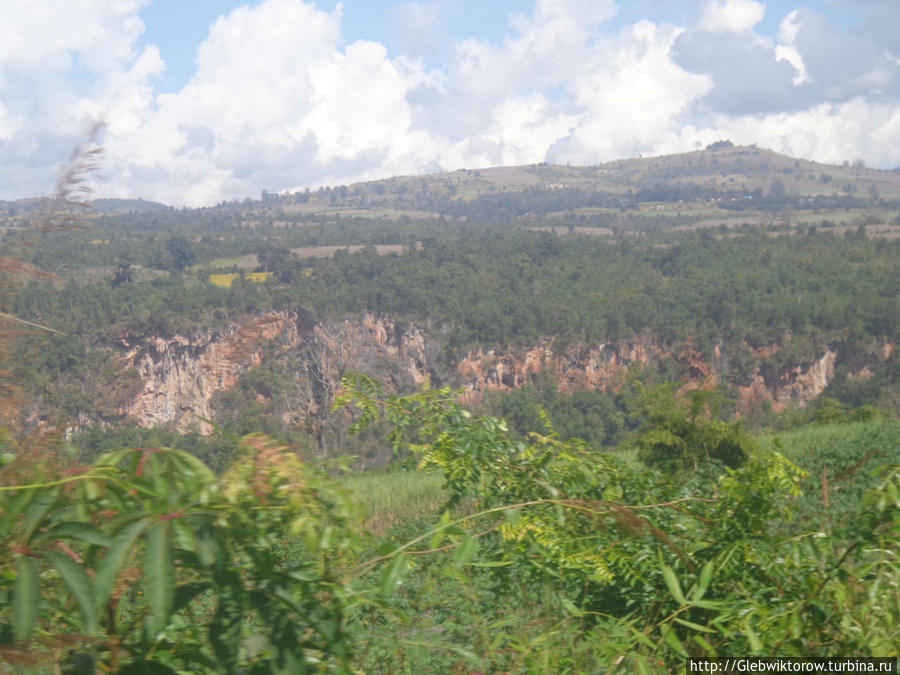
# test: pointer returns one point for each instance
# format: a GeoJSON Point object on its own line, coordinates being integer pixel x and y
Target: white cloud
{"type": "Point", "coordinates": [633, 97]}
{"type": "Point", "coordinates": [786, 49]}
{"type": "Point", "coordinates": [734, 16]}
{"type": "Point", "coordinates": [57, 62]}
{"type": "Point", "coordinates": [524, 128]}
{"type": "Point", "coordinates": [827, 132]}
{"type": "Point", "coordinates": [278, 100]}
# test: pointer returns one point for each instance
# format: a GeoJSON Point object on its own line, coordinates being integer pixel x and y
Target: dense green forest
{"type": "Point", "coordinates": [502, 286]}
{"type": "Point", "coordinates": [657, 518]}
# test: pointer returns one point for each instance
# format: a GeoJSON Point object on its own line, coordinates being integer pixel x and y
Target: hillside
{"type": "Point", "coordinates": [589, 362]}
{"type": "Point", "coordinates": [719, 173]}
{"type": "Point", "coordinates": [765, 304]}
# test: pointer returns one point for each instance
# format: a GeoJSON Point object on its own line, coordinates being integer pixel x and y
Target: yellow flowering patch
{"type": "Point", "coordinates": [225, 280]}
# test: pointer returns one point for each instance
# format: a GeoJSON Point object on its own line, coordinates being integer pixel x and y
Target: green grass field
{"type": "Point", "coordinates": [393, 498]}
{"type": "Point", "coordinates": [841, 460]}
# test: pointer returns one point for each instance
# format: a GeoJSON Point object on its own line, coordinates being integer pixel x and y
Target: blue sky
{"type": "Point", "coordinates": [178, 26]}
{"type": "Point", "coordinates": [209, 100]}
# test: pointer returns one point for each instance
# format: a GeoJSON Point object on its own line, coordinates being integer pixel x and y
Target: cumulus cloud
{"type": "Point", "coordinates": [278, 100]}
{"type": "Point", "coordinates": [733, 16]}
{"type": "Point", "coordinates": [56, 62]}
{"type": "Point", "coordinates": [749, 75]}
{"type": "Point", "coordinates": [843, 65]}
{"type": "Point", "coordinates": [632, 97]}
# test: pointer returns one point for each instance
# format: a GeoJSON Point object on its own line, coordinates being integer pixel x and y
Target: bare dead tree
{"type": "Point", "coordinates": [321, 361]}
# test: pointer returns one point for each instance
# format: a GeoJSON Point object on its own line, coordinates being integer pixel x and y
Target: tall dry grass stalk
{"type": "Point", "coordinates": [66, 210]}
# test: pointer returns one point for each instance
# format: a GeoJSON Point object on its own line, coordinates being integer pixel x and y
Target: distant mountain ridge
{"type": "Point", "coordinates": [724, 167]}
{"type": "Point", "coordinates": [721, 167]}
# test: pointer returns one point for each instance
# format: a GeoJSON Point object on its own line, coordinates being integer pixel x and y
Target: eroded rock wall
{"type": "Point", "coordinates": [180, 374]}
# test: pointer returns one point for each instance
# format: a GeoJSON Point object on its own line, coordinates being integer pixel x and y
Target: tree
{"type": "Point", "coordinates": [124, 274]}
{"type": "Point", "coordinates": [181, 252]}
{"type": "Point", "coordinates": [777, 189]}
{"type": "Point", "coordinates": [683, 432]}
{"type": "Point", "coordinates": [320, 364]}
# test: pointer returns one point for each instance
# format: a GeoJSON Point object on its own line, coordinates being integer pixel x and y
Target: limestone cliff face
{"type": "Point", "coordinates": [180, 374]}
{"type": "Point", "coordinates": [604, 367]}
{"type": "Point", "coordinates": [796, 386]}
{"type": "Point", "coordinates": [407, 344]}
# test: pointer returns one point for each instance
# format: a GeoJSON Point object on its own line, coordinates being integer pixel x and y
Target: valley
{"type": "Point", "coordinates": [657, 397]}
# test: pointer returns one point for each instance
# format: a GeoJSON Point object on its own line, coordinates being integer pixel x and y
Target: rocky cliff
{"type": "Point", "coordinates": [604, 367]}
{"type": "Point", "coordinates": [181, 374]}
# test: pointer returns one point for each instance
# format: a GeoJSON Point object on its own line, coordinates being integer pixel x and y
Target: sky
{"type": "Point", "coordinates": [205, 101]}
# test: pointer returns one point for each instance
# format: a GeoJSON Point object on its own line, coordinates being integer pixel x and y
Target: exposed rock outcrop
{"type": "Point", "coordinates": [605, 366]}
{"type": "Point", "coordinates": [796, 386]}
{"type": "Point", "coordinates": [180, 374]}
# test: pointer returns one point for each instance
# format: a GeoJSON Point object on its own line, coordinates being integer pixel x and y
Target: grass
{"type": "Point", "coordinates": [840, 460]}
{"type": "Point", "coordinates": [394, 498]}
{"type": "Point", "coordinates": [807, 443]}
{"type": "Point", "coordinates": [247, 261]}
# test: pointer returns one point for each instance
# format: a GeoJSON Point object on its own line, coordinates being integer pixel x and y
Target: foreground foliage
{"type": "Point", "coordinates": [147, 563]}
{"type": "Point", "coordinates": [548, 557]}
{"type": "Point", "coordinates": [639, 570]}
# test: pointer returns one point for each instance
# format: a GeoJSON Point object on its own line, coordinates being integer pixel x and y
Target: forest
{"type": "Point", "coordinates": [350, 430]}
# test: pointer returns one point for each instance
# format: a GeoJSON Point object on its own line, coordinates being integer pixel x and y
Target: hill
{"type": "Point", "coordinates": [717, 173]}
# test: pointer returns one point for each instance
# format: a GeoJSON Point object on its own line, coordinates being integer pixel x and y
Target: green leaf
{"type": "Point", "coordinates": [642, 666]}
{"type": "Point", "coordinates": [700, 640]}
{"type": "Point", "coordinates": [796, 625]}
{"type": "Point", "coordinates": [191, 467]}
{"type": "Point", "coordinates": [109, 569]}
{"type": "Point", "coordinates": [465, 551]}
{"type": "Point", "coordinates": [673, 642]}
{"type": "Point", "coordinates": [225, 628]}
{"type": "Point", "coordinates": [695, 626]}
{"type": "Point", "coordinates": [755, 643]}
{"type": "Point", "coordinates": [672, 583]}
{"type": "Point", "coordinates": [185, 593]}
{"type": "Point", "coordinates": [705, 579]}
{"type": "Point", "coordinates": [160, 575]}
{"type": "Point", "coordinates": [641, 637]}
{"type": "Point", "coordinates": [391, 575]}
{"type": "Point", "coordinates": [79, 584]}
{"type": "Point", "coordinates": [146, 668]}
{"type": "Point", "coordinates": [35, 512]}
{"type": "Point", "coordinates": [26, 598]}
{"type": "Point", "coordinates": [440, 531]}
{"type": "Point", "coordinates": [74, 530]}
{"type": "Point", "coordinates": [20, 500]}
